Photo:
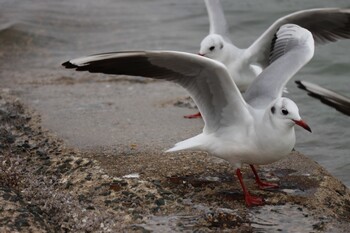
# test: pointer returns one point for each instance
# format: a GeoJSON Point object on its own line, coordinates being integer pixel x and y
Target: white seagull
{"type": "Point", "coordinates": [331, 98]}
{"type": "Point", "coordinates": [244, 65]}
{"type": "Point", "coordinates": [255, 129]}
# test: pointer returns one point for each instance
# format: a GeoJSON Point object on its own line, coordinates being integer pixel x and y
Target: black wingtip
{"type": "Point", "coordinates": [310, 93]}
{"type": "Point", "coordinates": [300, 84]}
{"type": "Point", "coordinates": [69, 65]}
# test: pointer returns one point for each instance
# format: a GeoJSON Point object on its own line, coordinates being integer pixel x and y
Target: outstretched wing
{"type": "Point", "coordinates": [207, 81]}
{"type": "Point", "coordinates": [326, 96]}
{"type": "Point", "coordinates": [325, 24]}
{"type": "Point", "coordinates": [217, 20]}
{"type": "Point", "coordinates": [292, 48]}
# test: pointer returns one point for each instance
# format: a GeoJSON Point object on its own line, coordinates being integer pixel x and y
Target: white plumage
{"type": "Point", "coordinates": [255, 129]}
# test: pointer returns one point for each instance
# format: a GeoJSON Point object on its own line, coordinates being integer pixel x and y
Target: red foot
{"type": "Point", "coordinates": [197, 115]}
{"type": "Point", "coordinates": [266, 185]}
{"type": "Point", "coordinates": [249, 200]}
{"type": "Point", "coordinates": [262, 184]}
{"type": "Point", "coordinates": [253, 201]}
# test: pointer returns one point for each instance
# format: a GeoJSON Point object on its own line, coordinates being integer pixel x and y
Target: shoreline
{"type": "Point", "coordinates": [49, 186]}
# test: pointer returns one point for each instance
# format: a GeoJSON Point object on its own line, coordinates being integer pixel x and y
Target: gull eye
{"type": "Point", "coordinates": [273, 109]}
{"type": "Point", "coordinates": [285, 112]}
{"type": "Point", "coordinates": [212, 48]}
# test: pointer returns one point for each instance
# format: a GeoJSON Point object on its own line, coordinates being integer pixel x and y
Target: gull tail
{"type": "Point", "coordinates": [193, 143]}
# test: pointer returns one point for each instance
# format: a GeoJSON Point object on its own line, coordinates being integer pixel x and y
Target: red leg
{"type": "Point", "coordinates": [262, 184]}
{"type": "Point", "coordinates": [197, 115]}
{"type": "Point", "coordinates": [249, 200]}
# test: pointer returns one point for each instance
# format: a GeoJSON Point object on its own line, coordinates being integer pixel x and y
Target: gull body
{"type": "Point", "coordinates": [244, 65]}
{"type": "Point", "coordinates": [263, 137]}
{"type": "Point", "coordinates": [257, 128]}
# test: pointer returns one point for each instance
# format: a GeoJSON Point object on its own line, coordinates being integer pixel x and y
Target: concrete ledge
{"type": "Point", "coordinates": [61, 188]}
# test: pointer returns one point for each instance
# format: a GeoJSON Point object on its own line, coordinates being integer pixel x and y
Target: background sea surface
{"type": "Point", "coordinates": [36, 36]}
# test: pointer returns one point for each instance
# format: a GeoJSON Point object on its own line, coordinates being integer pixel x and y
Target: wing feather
{"type": "Point", "coordinates": [326, 96]}
{"type": "Point", "coordinates": [325, 24]}
{"type": "Point", "coordinates": [217, 20]}
{"type": "Point", "coordinates": [207, 81]}
{"type": "Point", "coordinates": [291, 50]}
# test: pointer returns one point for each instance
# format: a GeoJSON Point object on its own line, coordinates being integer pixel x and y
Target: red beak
{"type": "Point", "coordinates": [303, 124]}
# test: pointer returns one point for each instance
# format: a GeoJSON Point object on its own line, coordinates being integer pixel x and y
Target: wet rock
{"type": "Point", "coordinates": [42, 154]}
{"type": "Point", "coordinates": [319, 226]}
{"type": "Point", "coordinates": [88, 177]}
{"type": "Point", "coordinates": [224, 219]}
{"type": "Point", "coordinates": [21, 222]}
{"type": "Point", "coordinates": [17, 216]}
{"type": "Point", "coordinates": [107, 193]}
{"type": "Point", "coordinates": [116, 186]}
{"type": "Point", "coordinates": [6, 137]}
{"type": "Point", "coordinates": [160, 202]}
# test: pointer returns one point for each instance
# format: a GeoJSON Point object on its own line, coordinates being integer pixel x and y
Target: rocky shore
{"type": "Point", "coordinates": [47, 186]}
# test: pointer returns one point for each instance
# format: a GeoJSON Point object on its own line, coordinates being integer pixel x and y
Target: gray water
{"type": "Point", "coordinates": [38, 35]}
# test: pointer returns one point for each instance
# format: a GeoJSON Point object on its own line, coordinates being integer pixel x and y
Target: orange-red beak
{"type": "Point", "coordinates": [303, 124]}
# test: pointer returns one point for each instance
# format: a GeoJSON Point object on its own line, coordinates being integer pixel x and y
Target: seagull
{"type": "Point", "coordinates": [326, 25]}
{"type": "Point", "coordinates": [254, 129]}
{"type": "Point", "coordinates": [338, 101]}
{"type": "Point", "coordinates": [244, 65]}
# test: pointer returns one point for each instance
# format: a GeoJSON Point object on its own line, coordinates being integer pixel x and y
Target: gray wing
{"type": "Point", "coordinates": [325, 24]}
{"type": "Point", "coordinates": [326, 96]}
{"type": "Point", "coordinates": [207, 81]}
{"type": "Point", "coordinates": [217, 20]}
{"type": "Point", "coordinates": [292, 48]}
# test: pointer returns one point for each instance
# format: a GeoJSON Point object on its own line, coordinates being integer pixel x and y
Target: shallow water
{"type": "Point", "coordinates": [38, 35]}
{"type": "Point", "coordinates": [276, 218]}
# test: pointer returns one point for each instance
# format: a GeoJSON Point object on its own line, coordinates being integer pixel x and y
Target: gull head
{"type": "Point", "coordinates": [286, 112]}
{"type": "Point", "coordinates": [212, 46]}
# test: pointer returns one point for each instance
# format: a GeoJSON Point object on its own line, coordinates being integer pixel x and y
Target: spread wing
{"type": "Point", "coordinates": [325, 24]}
{"type": "Point", "coordinates": [208, 82]}
{"type": "Point", "coordinates": [292, 48]}
{"type": "Point", "coordinates": [326, 96]}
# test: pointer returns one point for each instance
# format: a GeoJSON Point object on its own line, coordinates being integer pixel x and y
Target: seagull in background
{"type": "Point", "coordinates": [326, 25]}
{"type": "Point", "coordinates": [255, 128]}
{"type": "Point", "coordinates": [244, 65]}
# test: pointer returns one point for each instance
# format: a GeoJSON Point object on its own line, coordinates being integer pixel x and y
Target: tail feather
{"type": "Point", "coordinates": [192, 143]}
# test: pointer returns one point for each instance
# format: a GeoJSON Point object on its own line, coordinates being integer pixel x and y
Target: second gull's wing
{"type": "Point", "coordinates": [292, 48]}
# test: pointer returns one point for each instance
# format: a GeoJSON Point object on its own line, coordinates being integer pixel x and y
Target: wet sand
{"type": "Point", "coordinates": [70, 145]}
